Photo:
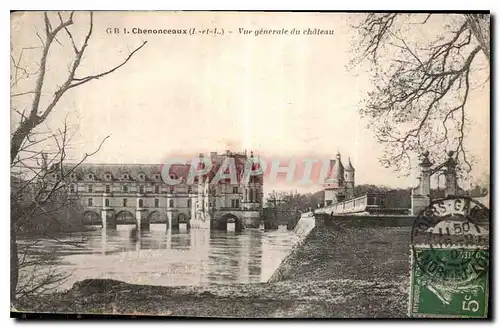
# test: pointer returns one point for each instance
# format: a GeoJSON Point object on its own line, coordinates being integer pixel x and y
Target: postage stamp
{"type": "Point", "coordinates": [450, 260]}
{"type": "Point", "coordinates": [456, 288]}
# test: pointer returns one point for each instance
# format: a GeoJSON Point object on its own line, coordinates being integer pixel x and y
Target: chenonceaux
{"type": "Point", "coordinates": [218, 189]}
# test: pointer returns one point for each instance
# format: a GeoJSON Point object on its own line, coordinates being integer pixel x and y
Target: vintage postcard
{"type": "Point", "coordinates": [250, 164]}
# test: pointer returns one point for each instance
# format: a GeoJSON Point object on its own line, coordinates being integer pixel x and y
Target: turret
{"type": "Point", "coordinates": [334, 184]}
{"type": "Point", "coordinates": [338, 168]}
{"type": "Point", "coordinates": [349, 179]}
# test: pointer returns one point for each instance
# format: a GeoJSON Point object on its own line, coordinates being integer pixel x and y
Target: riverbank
{"type": "Point", "coordinates": [319, 299]}
{"type": "Point", "coordinates": [345, 270]}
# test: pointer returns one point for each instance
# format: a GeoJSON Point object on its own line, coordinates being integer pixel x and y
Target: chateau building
{"type": "Point", "coordinates": [339, 183]}
{"type": "Point", "coordinates": [115, 193]}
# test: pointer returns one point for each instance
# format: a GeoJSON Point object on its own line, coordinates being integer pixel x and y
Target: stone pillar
{"type": "Point", "coordinates": [168, 215]}
{"type": "Point", "coordinates": [251, 219]}
{"type": "Point", "coordinates": [140, 217]}
{"type": "Point", "coordinates": [193, 208]}
{"type": "Point", "coordinates": [104, 237]}
{"type": "Point", "coordinates": [420, 197]}
{"type": "Point", "coordinates": [169, 220]}
{"type": "Point", "coordinates": [451, 187]}
{"type": "Point", "coordinates": [108, 219]}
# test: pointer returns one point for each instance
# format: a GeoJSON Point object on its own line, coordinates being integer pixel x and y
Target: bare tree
{"type": "Point", "coordinates": [424, 68]}
{"type": "Point", "coordinates": [39, 177]}
{"type": "Point", "coordinates": [290, 200]}
{"type": "Point", "coordinates": [275, 198]}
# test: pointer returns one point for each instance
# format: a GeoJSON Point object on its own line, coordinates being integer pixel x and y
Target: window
{"type": "Point", "coordinates": [108, 189]}
{"type": "Point", "coordinates": [172, 189]}
{"type": "Point", "coordinates": [157, 189]}
{"type": "Point", "coordinates": [106, 202]}
{"type": "Point", "coordinates": [141, 189]}
{"type": "Point", "coordinates": [124, 202]}
{"type": "Point", "coordinates": [235, 203]}
{"type": "Point", "coordinates": [235, 190]}
{"type": "Point", "coordinates": [89, 188]}
{"type": "Point", "coordinates": [189, 190]}
{"type": "Point", "coordinates": [90, 202]}
{"type": "Point", "coordinates": [91, 176]}
{"type": "Point", "coordinates": [108, 176]}
{"type": "Point", "coordinates": [189, 202]}
{"type": "Point", "coordinates": [125, 188]}
{"type": "Point", "coordinates": [125, 176]}
{"type": "Point", "coordinates": [141, 203]}
{"type": "Point", "coordinates": [171, 203]}
{"type": "Point", "coordinates": [157, 203]}
{"type": "Point", "coordinates": [141, 176]}
{"type": "Point", "coordinates": [71, 188]}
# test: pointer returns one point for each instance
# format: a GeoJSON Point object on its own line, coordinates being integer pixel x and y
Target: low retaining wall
{"type": "Point", "coordinates": [365, 220]}
{"type": "Point", "coordinates": [306, 224]}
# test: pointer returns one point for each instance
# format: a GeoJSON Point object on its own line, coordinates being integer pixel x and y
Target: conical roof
{"type": "Point", "coordinates": [349, 167]}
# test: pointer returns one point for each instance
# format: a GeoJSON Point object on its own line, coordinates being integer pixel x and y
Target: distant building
{"type": "Point", "coordinates": [127, 192]}
{"type": "Point", "coordinates": [339, 183]}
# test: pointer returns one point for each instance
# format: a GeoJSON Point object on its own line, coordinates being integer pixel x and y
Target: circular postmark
{"type": "Point", "coordinates": [449, 239]}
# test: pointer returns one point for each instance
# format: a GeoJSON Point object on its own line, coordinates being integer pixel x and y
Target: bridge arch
{"type": "Point", "coordinates": [221, 223]}
{"type": "Point", "coordinates": [91, 217]}
{"type": "Point", "coordinates": [154, 217]}
{"type": "Point", "coordinates": [184, 218]}
{"type": "Point", "coordinates": [125, 216]}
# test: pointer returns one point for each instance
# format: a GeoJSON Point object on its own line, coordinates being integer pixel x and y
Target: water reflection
{"type": "Point", "coordinates": [164, 257]}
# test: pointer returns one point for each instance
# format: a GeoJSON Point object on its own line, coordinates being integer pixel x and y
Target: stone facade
{"type": "Point", "coordinates": [339, 183]}
{"type": "Point", "coordinates": [117, 193]}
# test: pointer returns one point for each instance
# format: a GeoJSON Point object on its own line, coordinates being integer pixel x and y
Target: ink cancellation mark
{"type": "Point", "coordinates": [450, 260]}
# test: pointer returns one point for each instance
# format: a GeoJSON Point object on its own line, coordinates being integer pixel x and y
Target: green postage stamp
{"type": "Point", "coordinates": [450, 260]}
{"type": "Point", "coordinates": [449, 282]}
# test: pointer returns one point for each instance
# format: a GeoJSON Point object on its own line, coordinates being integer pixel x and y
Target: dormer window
{"type": "Point", "coordinates": [108, 176]}
{"type": "Point", "coordinates": [126, 176]}
{"type": "Point", "coordinates": [141, 176]}
{"type": "Point", "coordinates": [72, 176]}
{"type": "Point", "coordinates": [90, 176]}
{"type": "Point", "coordinates": [157, 176]}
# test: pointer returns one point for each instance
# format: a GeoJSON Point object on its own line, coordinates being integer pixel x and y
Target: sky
{"type": "Point", "coordinates": [278, 95]}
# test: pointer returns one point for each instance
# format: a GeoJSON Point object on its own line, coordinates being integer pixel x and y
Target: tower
{"type": "Point", "coordinates": [349, 180]}
{"type": "Point", "coordinates": [334, 183]}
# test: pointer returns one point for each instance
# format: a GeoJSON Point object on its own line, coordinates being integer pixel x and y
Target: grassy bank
{"type": "Point", "coordinates": [345, 250]}
{"type": "Point", "coordinates": [332, 298]}
{"type": "Point", "coordinates": [341, 271]}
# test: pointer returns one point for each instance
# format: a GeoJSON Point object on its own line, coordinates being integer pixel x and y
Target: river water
{"type": "Point", "coordinates": [162, 257]}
